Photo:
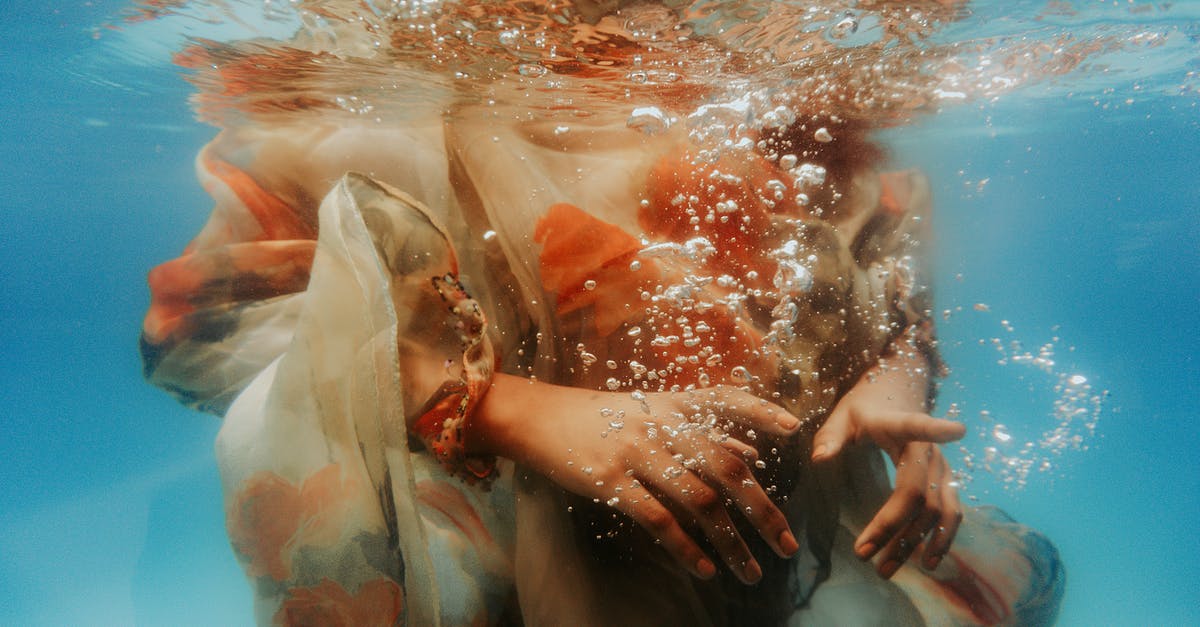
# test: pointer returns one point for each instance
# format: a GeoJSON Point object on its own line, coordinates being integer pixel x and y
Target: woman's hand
{"type": "Point", "coordinates": [651, 457]}
{"type": "Point", "coordinates": [880, 408]}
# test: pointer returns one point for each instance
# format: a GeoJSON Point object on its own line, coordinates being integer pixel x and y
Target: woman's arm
{"type": "Point", "coordinates": [650, 457]}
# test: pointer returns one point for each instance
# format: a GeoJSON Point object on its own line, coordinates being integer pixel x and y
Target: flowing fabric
{"type": "Point", "coordinates": [317, 329]}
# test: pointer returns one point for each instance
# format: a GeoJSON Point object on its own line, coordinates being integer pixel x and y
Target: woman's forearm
{"type": "Point", "coordinates": [567, 434]}
{"type": "Point", "coordinates": [492, 429]}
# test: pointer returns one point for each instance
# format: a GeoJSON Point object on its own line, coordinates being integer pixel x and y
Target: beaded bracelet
{"type": "Point", "coordinates": [441, 424]}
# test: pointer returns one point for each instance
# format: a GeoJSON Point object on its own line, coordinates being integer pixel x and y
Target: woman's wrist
{"type": "Point", "coordinates": [901, 378]}
{"type": "Point", "coordinates": [493, 426]}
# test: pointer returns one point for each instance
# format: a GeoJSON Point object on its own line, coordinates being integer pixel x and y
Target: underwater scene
{"type": "Point", "coordinates": [555, 312]}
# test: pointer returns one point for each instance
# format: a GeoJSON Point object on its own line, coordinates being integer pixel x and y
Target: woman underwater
{"type": "Point", "coordinates": [483, 362]}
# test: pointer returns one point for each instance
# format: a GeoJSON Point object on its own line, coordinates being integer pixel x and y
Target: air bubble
{"type": "Point", "coordinates": [649, 120]}
{"type": "Point", "coordinates": [509, 37]}
{"type": "Point", "coordinates": [791, 278]}
{"type": "Point", "coordinates": [532, 70]}
{"type": "Point", "coordinates": [808, 175]}
{"type": "Point", "coordinates": [844, 28]}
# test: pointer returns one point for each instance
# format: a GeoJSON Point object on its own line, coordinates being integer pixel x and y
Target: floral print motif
{"type": "Point", "coordinates": [378, 603]}
{"type": "Point", "coordinates": [270, 518]}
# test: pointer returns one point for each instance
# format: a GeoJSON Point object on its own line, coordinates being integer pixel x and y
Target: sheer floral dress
{"type": "Point", "coordinates": [358, 284]}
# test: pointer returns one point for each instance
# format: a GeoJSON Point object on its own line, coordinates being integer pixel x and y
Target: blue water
{"type": "Point", "coordinates": [1087, 229]}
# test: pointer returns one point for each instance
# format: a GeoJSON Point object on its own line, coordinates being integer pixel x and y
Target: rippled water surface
{"type": "Point", "coordinates": [1059, 137]}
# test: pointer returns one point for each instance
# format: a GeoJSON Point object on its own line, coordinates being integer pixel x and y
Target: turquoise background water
{"type": "Point", "coordinates": [110, 509]}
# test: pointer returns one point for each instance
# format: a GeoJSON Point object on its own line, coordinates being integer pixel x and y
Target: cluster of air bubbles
{"type": "Point", "coordinates": [649, 22]}
{"type": "Point", "coordinates": [616, 419]}
{"type": "Point", "coordinates": [1014, 453]}
{"type": "Point", "coordinates": [807, 175]}
{"type": "Point", "coordinates": [780, 116]}
{"type": "Point", "coordinates": [585, 357]}
{"type": "Point", "coordinates": [354, 104]}
{"type": "Point", "coordinates": [793, 274]}
{"type": "Point", "coordinates": [703, 416]}
{"type": "Point", "coordinates": [712, 124]}
{"type": "Point", "coordinates": [792, 278]}
{"type": "Point", "coordinates": [694, 249]}
{"type": "Point", "coordinates": [733, 123]}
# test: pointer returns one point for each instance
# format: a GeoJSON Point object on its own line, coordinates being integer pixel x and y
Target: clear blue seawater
{"type": "Point", "coordinates": [1073, 221]}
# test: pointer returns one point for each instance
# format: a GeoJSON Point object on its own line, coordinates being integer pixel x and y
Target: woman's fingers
{"type": "Point", "coordinates": [734, 479]}
{"type": "Point", "coordinates": [912, 426]}
{"type": "Point", "coordinates": [926, 476]}
{"type": "Point", "coordinates": [747, 410]}
{"type": "Point", "coordinates": [924, 506]}
{"type": "Point", "coordinates": [743, 451]}
{"type": "Point", "coordinates": [951, 517]}
{"type": "Point", "coordinates": [904, 506]}
{"type": "Point", "coordinates": [662, 525]}
{"type": "Point", "coordinates": [707, 506]}
{"type": "Point", "coordinates": [717, 476]}
{"type": "Point", "coordinates": [832, 435]}
{"type": "Point", "coordinates": [893, 517]}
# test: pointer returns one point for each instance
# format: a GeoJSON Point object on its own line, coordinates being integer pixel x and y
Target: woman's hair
{"type": "Point", "coordinates": [842, 146]}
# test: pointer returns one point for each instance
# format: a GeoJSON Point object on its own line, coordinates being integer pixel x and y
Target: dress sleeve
{"type": "Point", "coordinates": [226, 307]}
{"type": "Point", "coordinates": [229, 305]}
{"type": "Point", "coordinates": [444, 356]}
{"type": "Point", "coordinates": [324, 497]}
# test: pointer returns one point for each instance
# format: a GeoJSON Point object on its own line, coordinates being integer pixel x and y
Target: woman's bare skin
{"type": "Point", "coordinates": [633, 464]}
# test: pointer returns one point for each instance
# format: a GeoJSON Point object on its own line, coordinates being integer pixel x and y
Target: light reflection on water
{"type": "Point", "coordinates": [881, 61]}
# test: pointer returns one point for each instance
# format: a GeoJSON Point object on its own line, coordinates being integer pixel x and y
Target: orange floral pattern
{"type": "Point", "coordinates": [378, 603]}
{"type": "Point", "coordinates": [685, 196]}
{"type": "Point", "coordinates": [585, 263]}
{"type": "Point", "coordinates": [270, 517]}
